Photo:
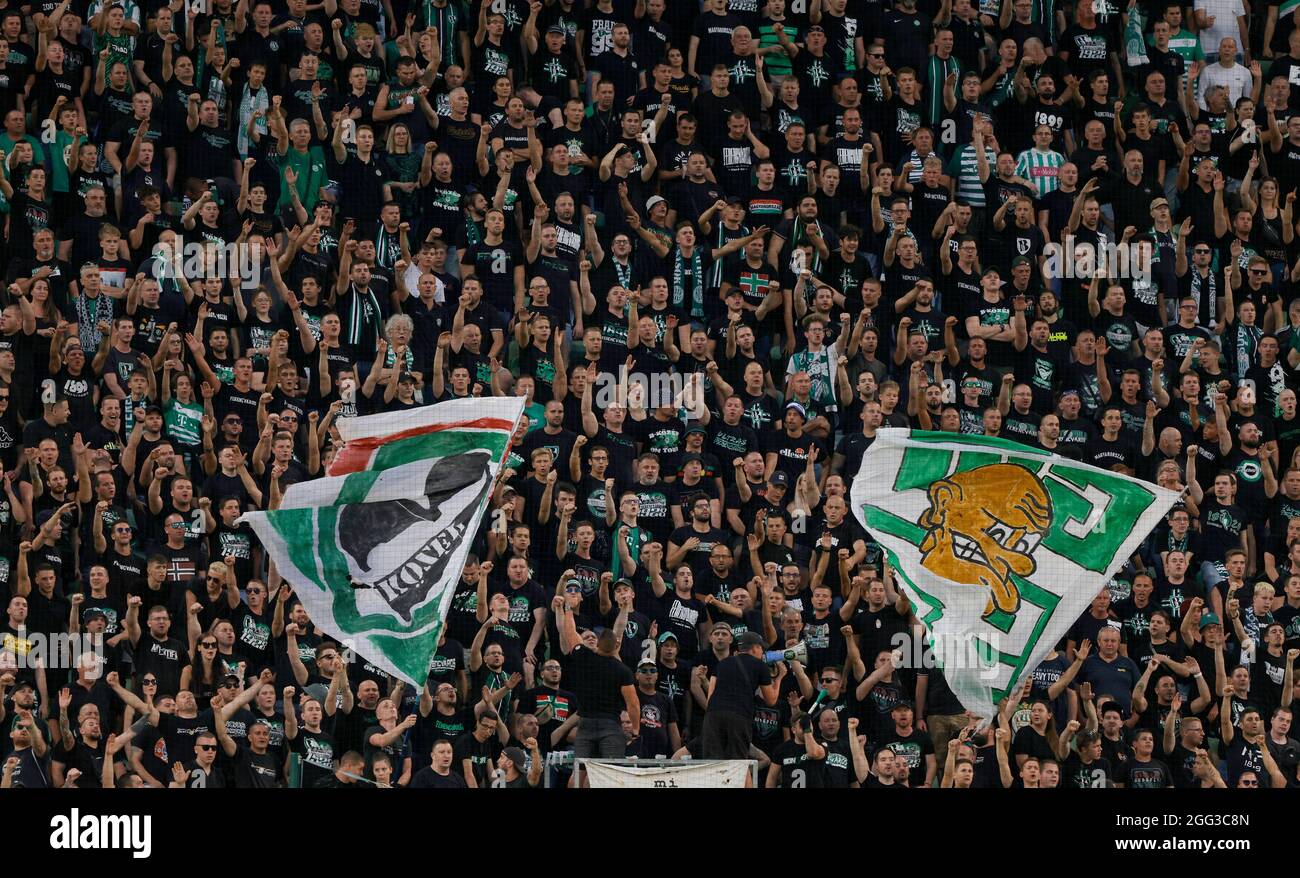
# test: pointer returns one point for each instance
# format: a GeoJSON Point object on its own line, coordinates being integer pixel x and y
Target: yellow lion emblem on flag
{"type": "Point", "coordinates": [982, 526]}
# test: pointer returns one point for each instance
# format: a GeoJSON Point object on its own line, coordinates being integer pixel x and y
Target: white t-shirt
{"type": "Point", "coordinates": [1235, 78]}
{"type": "Point", "coordinates": [1225, 14]}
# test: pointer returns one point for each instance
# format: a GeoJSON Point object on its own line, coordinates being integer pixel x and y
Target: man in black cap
{"type": "Point", "coordinates": [512, 764]}
{"type": "Point", "coordinates": [729, 723]}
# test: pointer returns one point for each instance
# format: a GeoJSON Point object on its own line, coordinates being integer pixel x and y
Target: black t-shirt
{"type": "Point", "coordinates": [1150, 775]}
{"type": "Point", "coordinates": [914, 747]}
{"type": "Point", "coordinates": [427, 778]}
{"type": "Point", "coordinates": [480, 753]}
{"type": "Point", "coordinates": [256, 771]}
{"type": "Point", "coordinates": [737, 679]}
{"type": "Point", "coordinates": [798, 770]}
{"type": "Point", "coordinates": [164, 659]}
{"type": "Point", "coordinates": [598, 681]}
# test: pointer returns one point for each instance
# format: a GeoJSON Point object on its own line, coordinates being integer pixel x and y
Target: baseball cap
{"type": "Point", "coordinates": [748, 640]}
{"type": "Point", "coordinates": [798, 407]}
{"type": "Point", "coordinates": [91, 612]}
{"type": "Point", "coordinates": [317, 691]}
{"type": "Point", "coordinates": [992, 269]}
{"type": "Point", "coordinates": [623, 580]}
{"type": "Point", "coordinates": [515, 755]}
{"type": "Point", "coordinates": [1020, 260]}
{"type": "Point", "coordinates": [1159, 202]}
{"type": "Point", "coordinates": [1208, 618]}
{"type": "Point", "coordinates": [695, 428]}
{"type": "Point", "coordinates": [903, 703]}
{"type": "Point", "coordinates": [780, 478]}
{"type": "Point", "coordinates": [691, 458]}
{"type": "Point", "coordinates": [668, 634]}
{"type": "Point", "coordinates": [555, 29]}
{"type": "Point", "coordinates": [572, 582]}
{"type": "Point", "coordinates": [647, 662]}
{"type": "Point", "coordinates": [24, 684]}
{"type": "Point", "coordinates": [722, 624]}
{"type": "Point", "coordinates": [652, 201]}
{"type": "Point", "coordinates": [406, 378]}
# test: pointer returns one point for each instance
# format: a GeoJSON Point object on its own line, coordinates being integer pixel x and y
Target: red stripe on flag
{"type": "Point", "coordinates": [355, 455]}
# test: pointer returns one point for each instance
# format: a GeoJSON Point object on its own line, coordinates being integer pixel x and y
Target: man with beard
{"type": "Point", "coordinates": [79, 758]}
{"type": "Point", "coordinates": [693, 543]}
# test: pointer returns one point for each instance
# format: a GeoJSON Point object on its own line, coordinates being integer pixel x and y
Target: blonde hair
{"type": "Point", "coordinates": [1264, 590]}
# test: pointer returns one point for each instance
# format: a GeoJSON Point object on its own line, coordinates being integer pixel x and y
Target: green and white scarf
{"type": "Point", "coordinates": [679, 282]}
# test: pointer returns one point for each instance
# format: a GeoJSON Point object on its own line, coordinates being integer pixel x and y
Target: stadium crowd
{"type": "Point", "coordinates": [716, 247]}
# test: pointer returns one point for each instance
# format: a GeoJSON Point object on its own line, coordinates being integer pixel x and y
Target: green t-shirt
{"type": "Point", "coordinates": [184, 421]}
{"type": "Point", "coordinates": [58, 166]}
{"type": "Point", "coordinates": [1185, 43]}
{"type": "Point", "coordinates": [776, 63]}
{"type": "Point", "coordinates": [312, 175]}
{"type": "Point", "coordinates": [536, 413]}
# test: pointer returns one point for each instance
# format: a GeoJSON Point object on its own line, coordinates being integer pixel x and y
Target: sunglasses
{"type": "Point", "coordinates": [206, 748]}
{"type": "Point", "coordinates": [211, 644]}
{"type": "Point", "coordinates": [1259, 271]}
{"type": "Point", "coordinates": [215, 579]}
{"type": "Point", "coordinates": [1201, 250]}
{"type": "Point", "coordinates": [647, 671]}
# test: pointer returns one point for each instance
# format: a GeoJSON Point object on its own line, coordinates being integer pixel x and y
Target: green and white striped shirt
{"type": "Point", "coordinates": [936, 71]}
{"type": "Point", "coordinates": [1041, 168]}
{"type": "Point", "coordinates": [965, 167]}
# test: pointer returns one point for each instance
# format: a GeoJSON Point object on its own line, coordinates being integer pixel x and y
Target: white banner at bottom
{"type": "Point", "coordinates": [684, 775]}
